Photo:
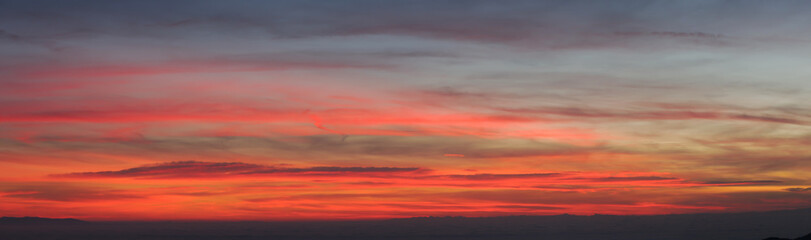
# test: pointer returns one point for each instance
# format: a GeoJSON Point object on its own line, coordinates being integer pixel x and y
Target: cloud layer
{"type": "Point", "coordinates": [414, 108]}
{"type": "Point", "coordinates": [195, 169]}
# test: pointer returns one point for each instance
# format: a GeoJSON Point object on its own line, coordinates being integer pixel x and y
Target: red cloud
{"type": "Point", "coordinates": [195, 169]}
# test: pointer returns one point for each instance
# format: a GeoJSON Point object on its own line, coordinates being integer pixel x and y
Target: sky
{"type": "Point", "coordinates": [302, 110]}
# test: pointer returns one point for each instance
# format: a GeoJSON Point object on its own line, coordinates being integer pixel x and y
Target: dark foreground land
{"type": "Point", "coordinates": [788, 224]}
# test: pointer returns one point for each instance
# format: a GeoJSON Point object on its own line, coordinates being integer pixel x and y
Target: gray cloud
{"type": "Point", "coordinates": [530, 22]}
{"type": "Point", "coordinates": [799, 190]}
{"type": "Point", "coordinates": [485, 176]}
{"type": "Point", "coordinates": [65, 192]}
{"type": "Point", "coordinates": [193, 169]}
{"type": "Point", "coordinates": [627, 179]}
{"type": "Point", "coordinates": [731, 114]}
{"type": "Point", "coordinates": [744, 182]}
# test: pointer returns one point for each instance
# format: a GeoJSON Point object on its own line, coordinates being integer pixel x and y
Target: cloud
{"type": "Point", "coordinates": [799, 190]}
{"type": "Point", "coordinates": [673, 34]}
{"type": "Point", "coordinates": [553, 97]}
{"type": "Point", "coordinates": [66, 192]}
{"type": "Point", "coordinates": [627, 179]}
{"type": "Point", "coordinates": [744, 182]}
{"type": "Point", "coordinates": [546, 24]}
{"type": "Point", "coordinates": [271, 61]}
{"type": "Point", "coordinates": [486, 176]}
{"type": "Point", "coordinates": [394, 176]}
{"type": "Point", "coordinates": [196, 169]}
{"type": "Point", "coordinates": [10, 36]}
{"type": "Point", "coordinates": [747, 200]}
{"type": "Point", "coordinates": [544, 197]}
{"type": "Point", "coordinates": [431, 147]}
{"type": "Point", "coordinates": [657, 114]}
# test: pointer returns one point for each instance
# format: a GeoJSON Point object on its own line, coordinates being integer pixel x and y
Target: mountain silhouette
{"type": "Point", "coordinates": [704, 226]}
{"type": "Point", "coordinates": [806, 237]}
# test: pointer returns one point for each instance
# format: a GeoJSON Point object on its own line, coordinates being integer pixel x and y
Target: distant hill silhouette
{"type": "Point", "coordinates": [39, 220]}
{"type": "Point", "coordinates": [806, 237]}
{"type": "Point", "coordinates": [706, 226]}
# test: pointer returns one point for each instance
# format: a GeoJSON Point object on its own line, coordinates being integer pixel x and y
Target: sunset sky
{"type": "Point", "coordinates": [292, 110]}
